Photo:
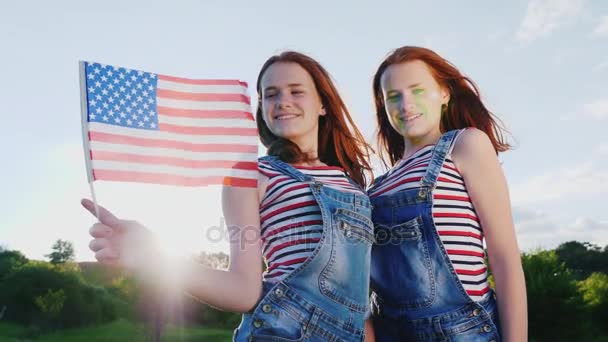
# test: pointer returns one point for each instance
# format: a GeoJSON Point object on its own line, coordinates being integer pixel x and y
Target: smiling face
{"type": "Point", "coordinates": [413, 100]}
{"type": "Point", "coordinates": [291, 105]}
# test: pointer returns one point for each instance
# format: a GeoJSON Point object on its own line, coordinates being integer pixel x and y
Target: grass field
{"type": "Point", "coordinates": [120, 330]}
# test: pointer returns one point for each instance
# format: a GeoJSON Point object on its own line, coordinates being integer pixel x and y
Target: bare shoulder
{"type": "Point", "coordinates": [472, 149]}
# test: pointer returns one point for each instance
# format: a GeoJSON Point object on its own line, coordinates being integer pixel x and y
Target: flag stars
{"type": "Point", "coordinates": [105, 118]}
{"type": "Point", "coordinates": [98, 84]}
{"type": "Point", "coordinates": [98, 110]}
{"type": "Point", "coordinates": [104, 79]}
{"type": "Point", "coordinates": [129, 122]}
{"type": "Point", "coordinates": [152, 125]}
{"type": "Point", "coordinates": [117, 120]}
{"type": "Point", "coordinates": [93, 103]}
{"type": "Point", "coordinates": [92, 117]}
{"type": "Point", "coordinates": [140, 124]}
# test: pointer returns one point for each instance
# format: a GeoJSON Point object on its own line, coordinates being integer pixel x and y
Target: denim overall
{"type": "Point", "coordinates": [327, 297]}
{"type": "Point", "coordinates": [417, 295]}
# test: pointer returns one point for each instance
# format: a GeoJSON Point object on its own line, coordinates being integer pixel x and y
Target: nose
{"type": "Point", "coordinates": [282, 102]}
{"type": "Point", "coordinates": [408, 105]}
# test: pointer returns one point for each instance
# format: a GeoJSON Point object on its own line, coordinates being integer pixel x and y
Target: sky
{"type": "Point", "coordinates": [541, 65]}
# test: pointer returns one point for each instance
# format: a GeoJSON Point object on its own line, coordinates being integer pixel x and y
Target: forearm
{"type": "Point", "coordinates": [512, 302]}
{"type": "Point", "coordinates": [225, 290]}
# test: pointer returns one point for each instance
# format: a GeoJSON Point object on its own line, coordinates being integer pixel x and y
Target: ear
{"type": "Point", "coordinates": [445, 95]}
{"type": "Point", "coordinates": [323, 111]}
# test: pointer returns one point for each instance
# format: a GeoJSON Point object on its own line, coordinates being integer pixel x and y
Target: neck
{"type": "Point", "coordinates": [309, 146]}
{"type": "Point", "coordinates": [413, 144]}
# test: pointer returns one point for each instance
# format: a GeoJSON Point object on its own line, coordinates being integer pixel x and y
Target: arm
{"type": "Point", "coordinates": [476, 160]}
{"type": "Point", "coordinates": [237, 289]}
{"type": "Point", "coordinates": [369, 331]}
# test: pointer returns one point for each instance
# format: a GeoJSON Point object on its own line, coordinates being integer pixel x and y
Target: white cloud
{"type": "Point", "coordinates": [573, 181]}
{"type": "Point", "coordinates": [602, 28]}
{"type": "Point", "coordinates": [544, 16]}
{"type": "Point", "coordinates": [540, 230]}
{"type": "Point", "coordinates": [597, 109]}
{"type": "Point", "coordinates": [601, 66]}
{"type": "Point", "coordinates": [602, 148]}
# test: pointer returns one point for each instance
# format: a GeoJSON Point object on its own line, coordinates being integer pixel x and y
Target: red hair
{"type": "Point", "coordinates": [464, 109]}
{"type": "Point", "coordinates": [340, 143]}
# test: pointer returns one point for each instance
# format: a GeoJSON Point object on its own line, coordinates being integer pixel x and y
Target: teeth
{"type": "Point", "coordinates": [410, 118]}
{"type": "Point", "coordinates": [283, 117]}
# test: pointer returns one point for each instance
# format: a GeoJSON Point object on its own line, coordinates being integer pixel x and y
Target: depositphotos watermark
{"type": "Point", "coordinates": [300, 230]}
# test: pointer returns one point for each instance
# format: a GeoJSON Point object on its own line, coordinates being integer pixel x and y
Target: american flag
{"type": "Point", "coordinates": [150, 128]}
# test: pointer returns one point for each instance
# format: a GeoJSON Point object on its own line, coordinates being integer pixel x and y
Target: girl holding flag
{"type": "Point", "coordinates": [308, 219]}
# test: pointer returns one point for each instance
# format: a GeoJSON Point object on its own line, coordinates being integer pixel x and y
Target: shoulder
{"type": "Point", "coordinates": [472, 148]}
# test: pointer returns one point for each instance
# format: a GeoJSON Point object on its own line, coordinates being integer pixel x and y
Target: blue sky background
{"type": "Point", "coordinates": [541, 65]}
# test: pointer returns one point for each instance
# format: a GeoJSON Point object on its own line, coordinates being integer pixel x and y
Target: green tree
{"type": "Point", "coordinates": [595, 295]}
{"type": "Point", "coordinates": [10, 260]}
{"type": "Point", "coordinates": [583, 258]}
{"type": "Point", "coordinates": [553, 299]}
{"type": "Point", "coordinates": [63, 251]}
{"type": "Point", "coordinates": [51, 303]}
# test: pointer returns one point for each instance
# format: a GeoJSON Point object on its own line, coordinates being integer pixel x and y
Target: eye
{"type": "Point", "coordinates": [393, 97]}
{"type": "Point", "coordinates": [297, 92]}
{"type": "Point", "coordinates": [269, 95]}
{"type": "Point", "coordinates": [418, 91]}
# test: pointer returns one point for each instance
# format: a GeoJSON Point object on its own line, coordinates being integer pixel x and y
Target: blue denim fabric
{"type": "Point", "coordinates": [326, 298]}
{"type": "Point", "coordinates": [417, 295]}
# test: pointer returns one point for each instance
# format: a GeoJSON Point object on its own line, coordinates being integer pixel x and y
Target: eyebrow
{"type": "Point", "coordinates": [290, 85]}
{"type": "Point", "coordinates": [415, 85]}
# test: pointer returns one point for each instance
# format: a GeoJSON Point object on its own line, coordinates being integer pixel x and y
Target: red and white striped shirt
{"type": "Point", "coordinates": [453, 213]}
{"type": "Point", "coordinates": [290, 218]}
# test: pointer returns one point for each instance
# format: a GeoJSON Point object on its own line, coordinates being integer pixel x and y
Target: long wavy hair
{"type": "Point", "coordinates": [340, 143]}
{"type": "Point", "coordinates": [464, 109]}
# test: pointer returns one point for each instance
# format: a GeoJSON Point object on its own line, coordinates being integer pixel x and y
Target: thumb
{"type": "Point", "coordinates": [105, 216]}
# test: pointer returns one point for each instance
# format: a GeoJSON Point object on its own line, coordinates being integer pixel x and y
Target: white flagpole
{"type": "Point", "coordinates": [85, 131]}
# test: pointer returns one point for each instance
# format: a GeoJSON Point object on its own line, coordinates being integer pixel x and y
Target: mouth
{"type": "Point", "coordinates": [285, 116]}
{"type": "Point", "coordinates": [411, 117]}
